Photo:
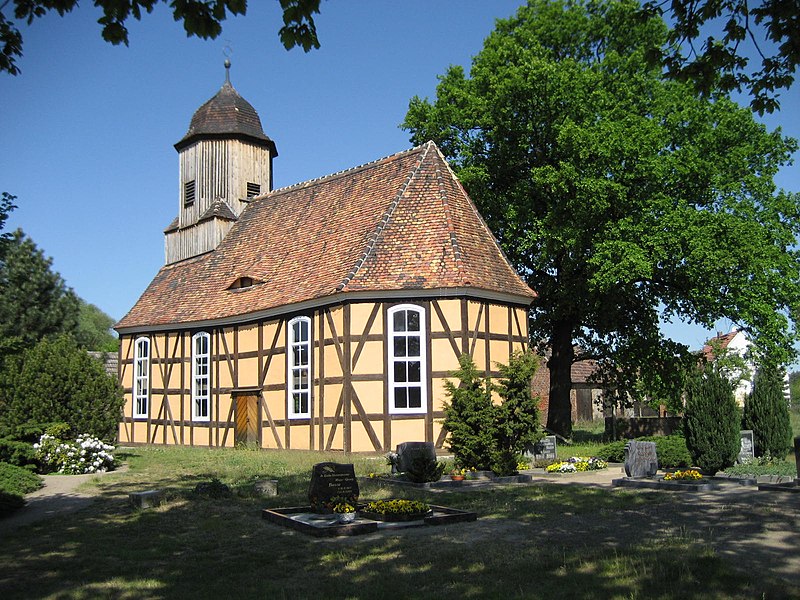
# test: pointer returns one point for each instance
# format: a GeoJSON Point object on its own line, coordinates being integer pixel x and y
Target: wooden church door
{"type": "Point", "coordinates": [247, 421]}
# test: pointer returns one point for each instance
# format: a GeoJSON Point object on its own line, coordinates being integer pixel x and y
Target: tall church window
{"type": "Point", "coordinates": [407, 360]}
{"type": "Point", "coordinates": [141, 378]}
{"type": "Point", "coordinates": [201, 376]}
{"type": "Point", "coordinates": [299, 368]}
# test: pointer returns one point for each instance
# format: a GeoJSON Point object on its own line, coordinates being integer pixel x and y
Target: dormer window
{"type": "Point", "coordinates": [253, 189]}
{"type": "Point", "coordinates": [243, 282]}
{"type": "Point", "coordinates": [188, 193]}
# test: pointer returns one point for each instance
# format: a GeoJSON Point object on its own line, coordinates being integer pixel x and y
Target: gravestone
{"type": "Point", "coordinates": [544, 449]}
{"type": "Point", "coordinates": [797, 455]}
{"type": "Point", "coordinates": [332, 480]}
{"type": "Point", "coordinates": [407, 452]}
{"type": "Point", "coordinates": [641, 459]}
{"type": "Point", "coordinates": [746, 447]}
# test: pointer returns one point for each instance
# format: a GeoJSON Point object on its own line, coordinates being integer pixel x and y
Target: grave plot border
{"type": "Point", "coordinates": [661, 484]}
{"type": "Point", "coordinates": [441, 515]}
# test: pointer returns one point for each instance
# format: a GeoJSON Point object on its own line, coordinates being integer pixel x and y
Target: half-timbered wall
{"type": "Point", "coordinates": [349, 385]}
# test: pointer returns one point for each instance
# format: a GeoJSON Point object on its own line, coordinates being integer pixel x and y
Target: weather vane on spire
{"type": "Point", "coordinates": [226, 52]}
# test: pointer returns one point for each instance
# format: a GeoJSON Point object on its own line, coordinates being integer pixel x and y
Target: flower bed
{"type": "Point", "coordinates": [687, 475]}
{"type": "Point", "coordinates": [576, 464]}
{"type": "Point", "coordinates": [395, 510]}
{"type": "Point", "coordinates": [86, 454]}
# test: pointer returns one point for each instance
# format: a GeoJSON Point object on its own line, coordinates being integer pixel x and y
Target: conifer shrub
{"type": "Point", "coordinates": [488, 436]}
{"type": "Point", "coordinates": [711, 422]}
{"type": "Point", "coordinates": [671, 450]}
{"type": "Point", "coordinates": [767, 414]}
{"type": "Point", "coordinates": [57, 381]}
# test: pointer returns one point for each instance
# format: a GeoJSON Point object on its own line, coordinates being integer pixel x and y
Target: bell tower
{"type": "Point", "coordinates": [225, 160]}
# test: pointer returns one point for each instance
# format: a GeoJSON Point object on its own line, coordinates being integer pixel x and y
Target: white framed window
{"type": "Point", "coordinates": [298, 372]}
{"type": "Point", "coordinates": [141, 378]}
{"type": "Point", "coordinates": [201, 376]}
{"type": "Point", "coordinates": [407, 360]}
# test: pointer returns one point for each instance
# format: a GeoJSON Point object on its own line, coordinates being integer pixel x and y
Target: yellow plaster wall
{"type": "Point", "coordinates": [438, 393]}
{"type": "Point", "coordinates": [248, 372]}
{"type": "Point", "coordinates": [451, 310]}
{"type": "Point", "coordinates": [443, 358]}
{"type": "Point", "coordinates": [359, 440]}
{"type": "Point", "coordinates": [370, 393]}
{"type": "Point", "coordinates": [332, 393]}
{"type": "Point", "coordinates": [408, 430]}
{"type": "Point", "coordinates": [359, 315]}
{"type": "Point", "coordinates": [498, 319]}
{"type": "Point", "coordinates": [201, 436]}
{"type": "Point", "coordinates": [371, 359]}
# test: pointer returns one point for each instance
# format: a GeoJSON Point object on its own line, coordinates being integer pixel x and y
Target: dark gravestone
{"type": "Point", "coordinates": [797, 455]}
{"type": "Point", "coordinates": [746, 447]}
{"type": "Point", "coordinates": [641, 459]}
{"type": "Point", "coordinates": [407, 452]}
{"type": "Point", "coordinates": [332, 480]}
{"type": "Point", "coordinates": [544, 449]}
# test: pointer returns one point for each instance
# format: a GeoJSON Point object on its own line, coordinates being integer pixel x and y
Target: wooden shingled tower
{"type": "Point", "coordinates": [328, 314]}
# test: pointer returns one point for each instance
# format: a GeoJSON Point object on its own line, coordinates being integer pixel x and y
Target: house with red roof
{"type": "Point", "coordinates": [734, 342]}
{"type": "Point", "coordinates": [326, 315]}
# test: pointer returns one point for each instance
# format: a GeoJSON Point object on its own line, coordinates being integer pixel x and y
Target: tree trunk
{"type": "Point", "coordinates": [559, 414]}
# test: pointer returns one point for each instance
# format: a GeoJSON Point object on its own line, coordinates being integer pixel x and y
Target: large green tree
{"type": "Point", "coordinates": [202, 18]}
{"type": "Point", "coordinates": [34, 300]}
{"type": "Point", "coordinates": [708, 39]}
{"type": "Point", "coordinates": [620, 197]}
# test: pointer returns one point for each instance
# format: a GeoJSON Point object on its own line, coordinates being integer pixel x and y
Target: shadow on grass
{"type": "Point", "coordinates": [533, 541]}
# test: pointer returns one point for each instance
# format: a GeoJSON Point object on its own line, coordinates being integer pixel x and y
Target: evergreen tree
{"type": "Point", "coordinates": [34, 300]}
{"type": "Point", "coordinates": [93, 330]}
{"type": "Point", "coordinates": [469, 417]}
{"type": "Point", "coordinates": [711, 422]}
{"type": "Point", "coordinates": [56, 381]}
{"type": "Point", "coordinates": [766, 413]}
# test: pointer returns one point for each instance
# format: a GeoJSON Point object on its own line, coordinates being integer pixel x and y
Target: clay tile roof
{"type": "Point", "coordinates": [582, 370]}
{"type": "Point", "coordinates": [218, 209]}
{"type": "Point", "coordinates": [400, 223]}
{"type": "Point", "coordinates": [721, 341]}
{"type": "Point", "coordinates": [227, 114]}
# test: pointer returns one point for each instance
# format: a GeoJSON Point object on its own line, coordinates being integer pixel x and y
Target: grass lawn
{"type": "Point", "coordinates": [538, 541]}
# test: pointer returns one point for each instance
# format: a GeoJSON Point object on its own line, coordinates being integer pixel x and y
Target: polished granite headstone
{"type": "Point", "coordinates": [331, 480]}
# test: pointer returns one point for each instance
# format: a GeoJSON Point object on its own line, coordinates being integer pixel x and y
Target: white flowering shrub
{"type": "Point", "coordinates": [86, 454]}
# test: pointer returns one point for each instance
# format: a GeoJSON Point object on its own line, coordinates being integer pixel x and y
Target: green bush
{"type": "Point", "coordinates": [487, 436]}
{"type": "Point", "coordinates": [57, 381]}
{"type": "Point", "coordinates": [10, 503]}
{"type": "Point", "coordinates": [16, 480]}
{"type": "Point", "coordinates": [711, 422]}
{"type": "Point", "coordinates": [766, 413]}
{"type": "Point", "coordinates": [17, 453]}
{"type": "Point", "coordinates": [424, 469]}
{"type": "Point", "coordinates": [671, 449]}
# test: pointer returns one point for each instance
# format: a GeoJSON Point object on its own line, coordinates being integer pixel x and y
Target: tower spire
{"type": "Point", "coordinates": [227, 71]}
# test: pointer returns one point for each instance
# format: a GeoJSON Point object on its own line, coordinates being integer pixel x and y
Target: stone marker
{"type": "Point", "coordinates": [332, 480]}
{"type": "Point", "coordinates": [641, 459]}
{"type": "Point", "coordinates": [407, 452]}
{"type": "Point", "coordinates": [797, 456]}
{"type": "Point", "coordinates": [544, 449]}
{"type": "Point", "coordinates": [747, 446]}
{"type": "Point", "coordinates": [146, 499]}
{"type": "Point", "coordinates": [266, 487]}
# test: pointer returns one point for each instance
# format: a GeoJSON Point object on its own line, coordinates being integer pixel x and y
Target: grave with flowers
{"type": "Point", "coordinates": [336, 509]}
{"type": "Point", "coordinates": [641, 470]}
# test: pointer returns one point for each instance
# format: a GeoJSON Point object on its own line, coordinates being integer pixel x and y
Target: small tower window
{"type": "Point", "coordinates": [253, 189]}
{"type": "Point", "coordinates": [188, 193]}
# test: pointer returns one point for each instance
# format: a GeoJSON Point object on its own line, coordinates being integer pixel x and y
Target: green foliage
{"type": "Point", "coordinates": [57, 381]}
{"type": "Point", "coordinates": [671, 450]}
{"type": "Point", "coordinates": [17, 453]}
{"type": "Point", "coordinates": [469, 417]}
{"type": "Point", "coordinates": [766, 413]}
{"type": "Point", "coordinates": [711, 422]}
{"type": "Point", "coordinates": [6, 206]}
{"type": "Point", "coordinates": [202, 18]}
{"type": "Point", "coordinates": [488, 436]}
{"type": "Point", "coordinates": [34, 300]}
{"type": "Point", "coordinates": [619, 196]}
{"type": "Point", "coordinates": [16, 480]}
{"type": "Point", "coordinates": [794, 388]}
{"type": "Point", "coordinates": [93, 330]}
{"type": "Point", "coordinates": [10, 502]}
{"type": "Point", "coordinates": [424, 469]}
{"type": "Point", "coordinates": [718, 61]}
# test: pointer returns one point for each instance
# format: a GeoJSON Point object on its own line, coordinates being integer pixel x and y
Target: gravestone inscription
{"type": "Point", "coordinates": [407, 452]}
{"type": "Point", "coordinates": [544, 449]}
{"type": "Point", "coordinates": [331, 480]}
{"type": "Point", "coordinates": [641, 459]}
{"type": "Point", "coordinates": [746, 447]}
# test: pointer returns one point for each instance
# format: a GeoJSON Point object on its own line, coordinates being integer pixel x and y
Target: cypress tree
{"type": "Point", "coordinates": [711, 422]}
{"type": "Point", "coordinates": [767, 414]}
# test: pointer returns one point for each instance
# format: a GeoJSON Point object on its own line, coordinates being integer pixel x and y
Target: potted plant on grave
{"type": "Point", "coordinates": [345, 511]}
{"type": "Point", "coordinates": [458, 474]}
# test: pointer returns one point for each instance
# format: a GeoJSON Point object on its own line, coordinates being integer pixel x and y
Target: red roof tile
{"type": "Point", "coordinates": [400, 223]}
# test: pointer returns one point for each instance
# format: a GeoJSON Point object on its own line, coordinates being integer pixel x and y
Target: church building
{"type": "Point", "coordinates": [326, 315]}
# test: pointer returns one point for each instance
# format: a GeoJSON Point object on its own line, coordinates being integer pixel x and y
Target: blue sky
{"type": "Point", "coordinates": [88, 128]}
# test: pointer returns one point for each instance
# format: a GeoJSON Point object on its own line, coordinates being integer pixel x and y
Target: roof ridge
{"type": "Point", "coordinates": [336, 174]}
{"type": "Point", "coordinates": [384, 220]}
{"type": "Point", "coordinates": [448, 217]}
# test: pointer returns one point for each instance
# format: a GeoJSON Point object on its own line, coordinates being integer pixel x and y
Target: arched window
{"type": "Point", "coordinates": [298, 375]}
{"type": "Point", "coordinates": [201, 376]}
{"type": "Point", "coordinates": [141, 378]}
{"type": "Point", "coordinates": [407, 360]}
